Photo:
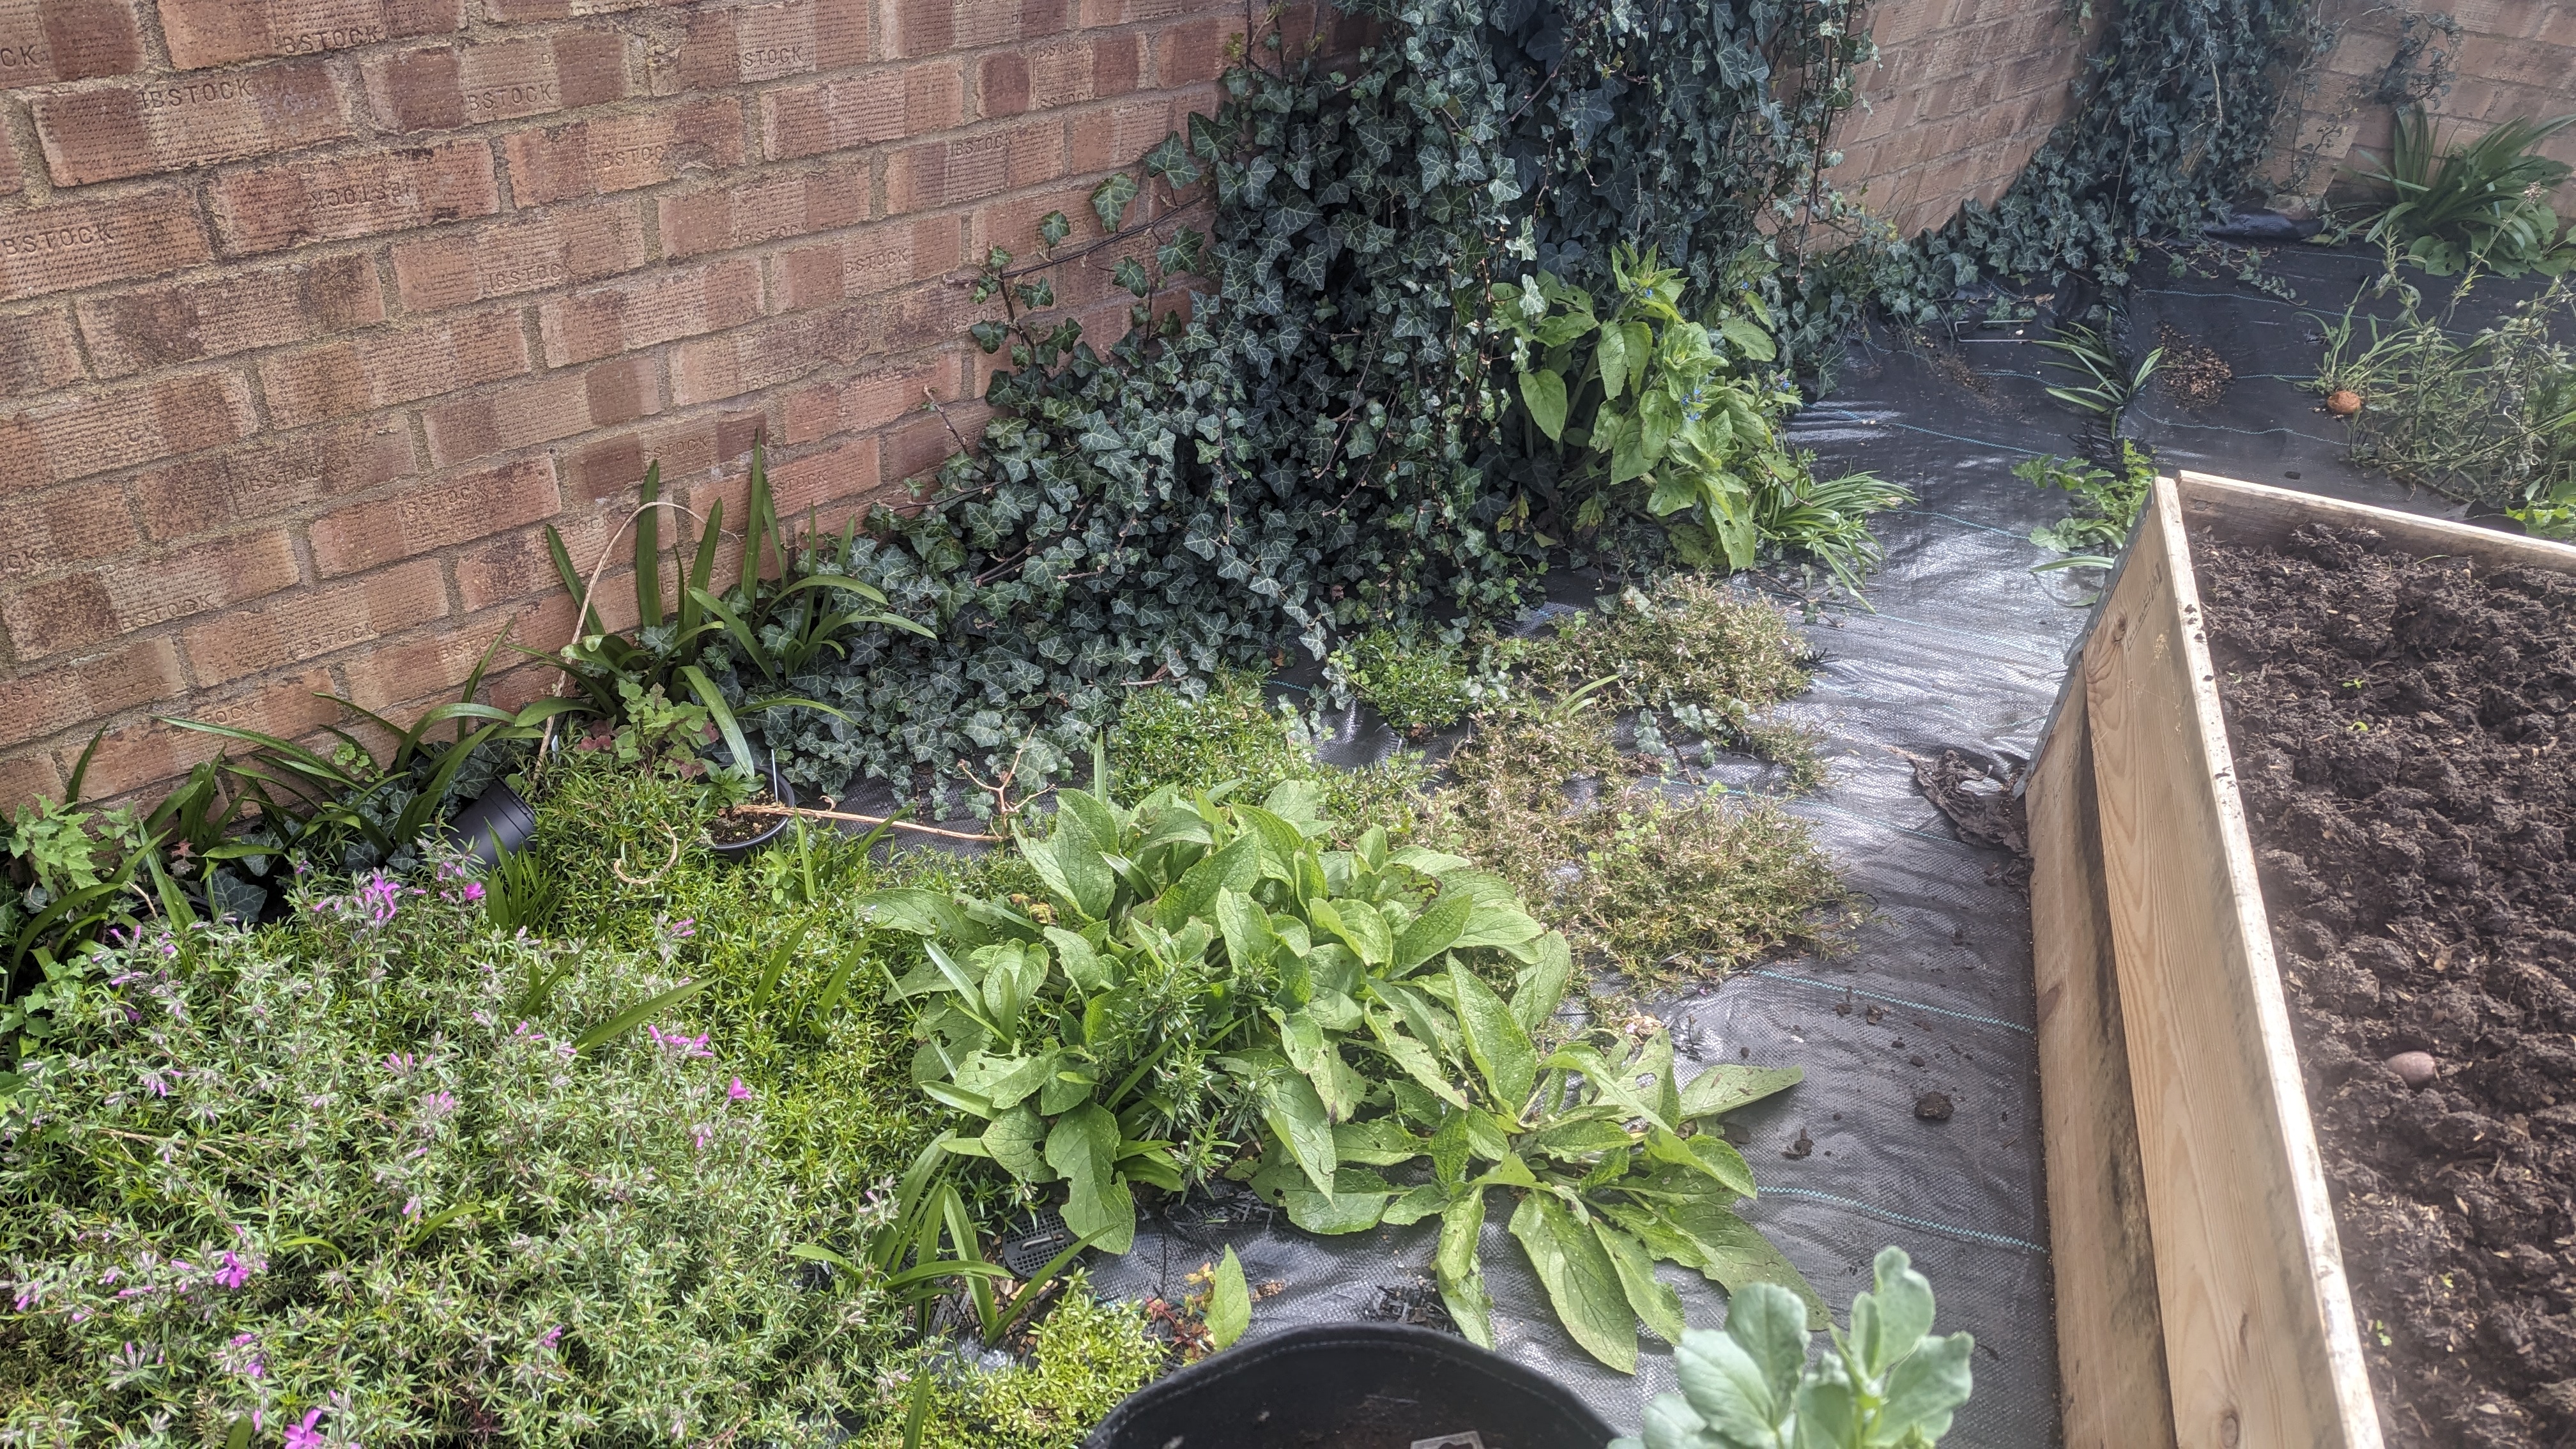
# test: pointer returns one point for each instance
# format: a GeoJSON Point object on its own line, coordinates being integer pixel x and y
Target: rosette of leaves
{"type": "Point", "coordinates": [1610, 1177]}
{"type": "Point", "coordinates": [1886, 1382]}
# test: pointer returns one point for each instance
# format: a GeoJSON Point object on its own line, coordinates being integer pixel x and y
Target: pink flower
{"type": "Point", "coordinates": [683, 928]}
{"type": "Point", "coordinates": [738, 1092]}
{"type": "Point", "coordinates": [550, 1337]}
{"type": "Point", "coordinates": [232, 1272]}
{"type": "Point", "coordinates": [303, 1436]}
{"type": "Point", "coordinates": [474, 890]}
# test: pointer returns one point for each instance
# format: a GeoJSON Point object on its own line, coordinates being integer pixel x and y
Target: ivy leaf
{"type": "Point", "coordinates": [1131, 275]}
{"type": "Point", "coordinates": [1181, 253]}
{"type": "Point", "coordinates": [1054, 228]}
{"type": "Point", "coordinates": [989, 335]}
{"type": "Point", "coordinates": [1110, 199]}
{"type": "Point", "coordinates": [1581, 1283]}
{"type": "Point", "coordinates": [1229, 1310]}
{"type": "Point", "coordinates": [1171, 161]}
{"type": "Point", "coordinates": [1543, 393]}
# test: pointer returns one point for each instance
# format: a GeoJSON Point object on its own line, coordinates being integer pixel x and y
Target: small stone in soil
{"type": "Point", "coordinates": [2415, 1069]}
{"type": "Point", "coordinates": [1933, 1107]}
{"type": "Point", "coordinates": [1799, 1148]}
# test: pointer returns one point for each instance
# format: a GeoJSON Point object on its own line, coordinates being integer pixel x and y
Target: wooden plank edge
{"type": "Point", "coordinates": [2312, 1206]}
{"type": "Point", "coordinates": [2260, 513]}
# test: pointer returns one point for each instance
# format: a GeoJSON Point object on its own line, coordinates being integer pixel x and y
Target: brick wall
{"type": "Point", "coordinates": [1962, 93]}
{"type": "Point", "coordinates": [2513, 58]}
{"type": "Point", "coordinates": [314, 312]}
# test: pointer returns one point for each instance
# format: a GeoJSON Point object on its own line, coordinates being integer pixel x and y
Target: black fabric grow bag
{"type": "Point", "coordinates": [1352, 1386]}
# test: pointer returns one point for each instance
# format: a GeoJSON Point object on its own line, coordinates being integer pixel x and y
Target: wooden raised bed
{"type": "Point", "coordinates": [2201, 1297]}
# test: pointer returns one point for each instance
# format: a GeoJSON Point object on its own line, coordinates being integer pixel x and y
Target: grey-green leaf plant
{"type": "Point", "coordinates": [1886, 1382]}
{"type": "Point", "coordinates": [1206, 978]}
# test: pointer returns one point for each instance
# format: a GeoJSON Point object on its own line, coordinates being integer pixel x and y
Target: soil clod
{"type": "Point", "coordinates": [1934, 1107]}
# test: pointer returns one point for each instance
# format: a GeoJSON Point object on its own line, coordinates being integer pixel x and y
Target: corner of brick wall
{"type": "Point", "coordinates": [1962, 94]}
{"type": "Point", "coordinates": [2512, 59]}
{"type": "Point", "coordinates": [314, 313]}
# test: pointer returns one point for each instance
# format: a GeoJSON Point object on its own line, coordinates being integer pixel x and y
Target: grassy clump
{"type": "Point", "coordinates": [1648, 882]}
{"type": "Point", "coordinates": [1418, 685]}
{"type": "Point", "coordinates": [1165, 737]}
{"type": "Point", "coordinates": [1084, 1357]}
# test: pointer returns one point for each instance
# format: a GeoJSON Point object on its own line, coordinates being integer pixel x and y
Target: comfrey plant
{"type": "Point", "coordinates": [353, 1179]}
{"type": "Point", "coordinates": [1886, 1382]}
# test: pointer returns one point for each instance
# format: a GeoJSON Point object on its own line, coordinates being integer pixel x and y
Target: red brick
{"type": "Point", "coordinates": [862, 110]}
{"type": "Point", "coordinates": [151, 753]}
{"type": "Point", "coordinates": [403, 678]}
{"type": "Point", "coordinates": [531, 252]}
{"type": "Point", "coordinates": [29, 778]}
{"type": "Point", "coordinates": [38, 352]}
{"type": "Point", "coordinates": [182, 121]}
{"type": "Point", "coordinates": [88, 243]}
{"type": "Point", "coordinates": [752, 358]}
{"type": "Point", "coordinates": [764, 210]}
{"type": "Point", "coordinates": [222, 32]}
{"type": "Point", "coordinates": [917, 447]}
{"type": "Point", "coordinates": [433, 516]}
{"type": "Point", "coordinates": [557, 405]}
{"type": "Point", "coordinates": [43, 41]}
{"type": "Point", "coordinates": [509, 80]}
{"type": "Point", "coordinates": [309, 623]}
{"type": "Point", "coordinates": [937, 174]}
{"type": "Point", "coordinates": [698, 448]}
{"type": "Point", "coordinates": [382, 369]}
{"type": "Point", "coordinates": [134, 594]}
{"type": "Point", "coordinates": [864, 404]}
{"type": "Point", "coordinates": [270, 207]}
{"type": "Point", "coordinates": [921, 27]}
{"type": "Point", "coordinates": [877, 259]}
{"type": "Point", "coordinates": [1109, 137]}
{"type": "Point", "coordinates": [271, 477]}
{"type": "Point", "coordinates": [74, 437]}
{"type": "Point", "coordinates": [649, 309]}
{"type": "Point", "coordinates": [57, 699]}
{"type": "Point", "coordinates": [1194, 50]}
{"type": "Point", "coordinates": [620, 153]}
{"type": "Point", "coordinates": [838, 475]}
{"type": "Point", "coordinates": [1002, 82]}
{"type": "Point", "coordinates": [148, 327]}
{"type": "Point", "coordinates": [68, 527]}
{"type": "Point", "coordinates": [520, 12]}
{"type": "Point", "coordinates": [728, 47]}
{"type": "Point", "coordinates": [981, 23]}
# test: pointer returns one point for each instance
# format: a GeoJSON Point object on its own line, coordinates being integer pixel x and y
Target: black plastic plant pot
{"type": "Point", "coordinates": [496, 824]}
{"type": "Point", "coordinates": [1353, 1386]}
{"type": "Point", "coordinates": [785, 794]}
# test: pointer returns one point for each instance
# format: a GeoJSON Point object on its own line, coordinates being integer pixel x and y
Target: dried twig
{"type": "Point", "coordinates": [617, 867]}
{"type": "Point", "coordinates": [811, 813]}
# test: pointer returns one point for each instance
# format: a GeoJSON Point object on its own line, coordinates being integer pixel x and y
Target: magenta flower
{"type": "Point", "coordinates": [738, 1092]}
{"type": "Point", "coordinates": [303, 1436]}
{"type": "Point", "coordinates": [683, 928]}
{"type": "Point", "coordinates": [474, 890]}
{"type": "Point", "coordinates": [550, 1337]}
{"type": "Point", "coordinates": [232, 1272]}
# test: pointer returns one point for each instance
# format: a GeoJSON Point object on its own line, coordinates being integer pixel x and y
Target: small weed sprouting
{"type": "Point", "coordinates": [1166, 737]}
{"type": "Point", "coordinates": [2106, 505]}
{"type": "Point", "coordinates": [1418, 685]}
{"type": "Point", "coordinates": [2103, 382]}
{"type": "Point", "coordinates": [1084, 1357]}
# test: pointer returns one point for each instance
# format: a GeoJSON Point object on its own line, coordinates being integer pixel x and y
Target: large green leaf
{"type": "Point", "coordinates": [1723, 1088]}
{"type": "Point", "coordinates": [1294, 1113]}
{"type": "Point", "coordinates": [1501, 1050]}
{"type": "Point", "coordinates": [1612, 354]}
{"type": "Point", "coordinates": [1732, 1389]}
{"type": "Point", "coordinates": [1249, 941]}
{"type": "Point", "coordinates": [1229, 1310]}
{"type": "Point", "coordinates": [1653, 1300]}
{"type": "Point", "coordinates": [1461, 1276]}
{"type": "Point", "coordinates": [1074, 870]}
{"type": "Point", "coordinates": [1016, 1140]}
{"type": "Point", "coordinates": [1417, 1060]}
{"type": "Point", "coordinates": [1736, 1254]}
{"type": "Point", "coordinates": [1359, 925]}
{"type": "Point", "coordinates": [1581, 1283]}
{"type": "Point", "coordinates": [1378, 1142]}
{"type": "Point", "coordinates": [1540, 986]}
{"type": "Point", "coordinates": [1083, 1146]}
{"type": "Point", "coordinates": [1543, 393]}
{"type": "Point", "coordinates": [1434, 931]}
{"type": "Point", "coordinates": [1497, 924]}
{"type": "Point", "coordinates": [1887, 1324]}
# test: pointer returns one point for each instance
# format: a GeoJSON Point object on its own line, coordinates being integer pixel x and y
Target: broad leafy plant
{"type": "Point", "coordinates": [2107, 505]}
{"type": "Point", "coordinates": [1204, 976]}
{"type": "Point", "coordinates": [1887, 1381]}
{"type": "Point", "coordinates": [1628, 389]}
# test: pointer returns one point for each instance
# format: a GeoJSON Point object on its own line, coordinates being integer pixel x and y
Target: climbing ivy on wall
{"type": "Point", "coordinates": [1308, 452]}
{"type": "Point", "coordinates": [2172, 115]}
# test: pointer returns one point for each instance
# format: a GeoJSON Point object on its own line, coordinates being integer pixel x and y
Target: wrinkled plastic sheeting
{"type": "Point", "coordinates": [1962, 649]}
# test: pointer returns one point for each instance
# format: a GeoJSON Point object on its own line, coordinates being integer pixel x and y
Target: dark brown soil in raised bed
{"type": "Point", "coordinates": [2402, 736]}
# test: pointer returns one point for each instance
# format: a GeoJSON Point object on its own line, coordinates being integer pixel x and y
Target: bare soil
{"type": "Point", "coordinates": [2401, 732]}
